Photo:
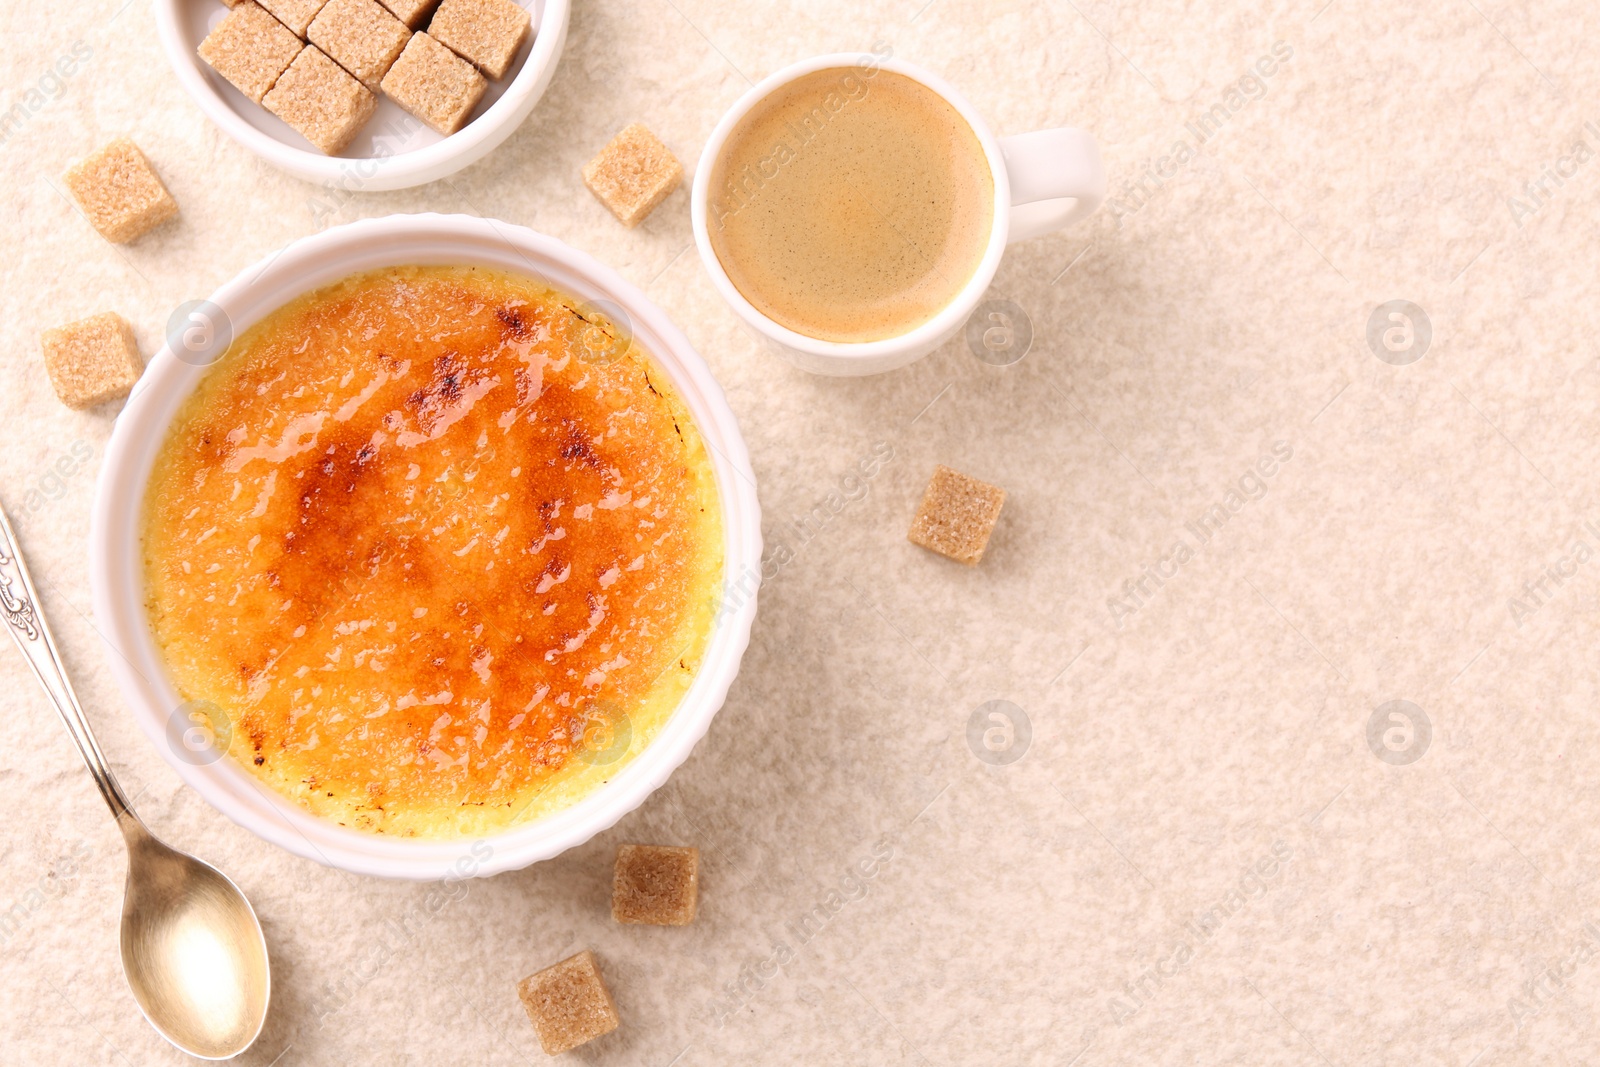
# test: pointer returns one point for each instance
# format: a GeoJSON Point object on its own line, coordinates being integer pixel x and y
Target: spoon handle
{"type": "Point", "coordinates": [19, 605]}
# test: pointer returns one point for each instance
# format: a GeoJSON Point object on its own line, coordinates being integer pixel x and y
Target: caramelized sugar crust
{"type": "Point", "coordinates": [442, 551]}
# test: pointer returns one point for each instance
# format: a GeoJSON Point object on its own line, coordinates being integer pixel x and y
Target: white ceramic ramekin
{"type": "Point", "coordinates": [393, 150]}
{"type": "Point", "coordinates": [116, 573]}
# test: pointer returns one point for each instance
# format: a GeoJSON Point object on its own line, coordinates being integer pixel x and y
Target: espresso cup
{"type": "Point", "coordinates": [1043, 181]}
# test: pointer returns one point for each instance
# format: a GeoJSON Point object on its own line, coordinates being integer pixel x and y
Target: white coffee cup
{"type": "Point", "coordinates": [1043, 181]}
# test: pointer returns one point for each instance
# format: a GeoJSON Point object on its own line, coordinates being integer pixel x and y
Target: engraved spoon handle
{"type": "Point", "coordinates": [19, 605]}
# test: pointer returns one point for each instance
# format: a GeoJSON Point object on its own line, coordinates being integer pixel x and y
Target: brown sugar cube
{"type": "Point", "coordinates": [655, 884]}
{"type": "Point", "coordinates": [360, 36]}
{"type": "Point", "coordinates": [92, 360]}
{"type": "Point", "coordinates": [434, 84]}
{"type": "Point", "coordinates": [633, 174]}
{"type": "Point", "coordinates": [295, 14]}
{"type": "Point", "coordinates": [325, 105]}
{"type": "Point", "coordinates": [250, 48]}
{"type": "Point", "coordinates": [411, 12]}
{"type": "Point", "coordinates": [957, 515]}
{"type": "Point", "coordinates": [486, 33]}
{"type": "Point", "coordinates": [568, 1003]}
{"type": "Point", "coordinates": [119, 192]}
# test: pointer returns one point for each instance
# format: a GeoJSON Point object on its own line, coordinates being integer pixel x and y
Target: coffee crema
{"type": "Point", "coordinates": [852, 204]}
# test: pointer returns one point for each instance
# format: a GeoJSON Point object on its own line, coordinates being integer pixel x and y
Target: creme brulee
{"type": "Point", "coordinates": [440, 544]}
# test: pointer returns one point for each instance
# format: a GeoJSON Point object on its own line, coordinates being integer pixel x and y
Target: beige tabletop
{"type": "Point", "coordinates": [1247, 511]}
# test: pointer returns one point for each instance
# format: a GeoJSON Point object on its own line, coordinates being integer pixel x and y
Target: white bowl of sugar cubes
{"type": "Point", "coordinates": [365, 95]}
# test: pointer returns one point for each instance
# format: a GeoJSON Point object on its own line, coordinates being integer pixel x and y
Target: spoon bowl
{"type": "Point", "coordinates": [192, 950]}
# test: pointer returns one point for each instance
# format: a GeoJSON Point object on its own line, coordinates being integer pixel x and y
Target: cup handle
{"type": "Point", "coordinates": [1056, 179]}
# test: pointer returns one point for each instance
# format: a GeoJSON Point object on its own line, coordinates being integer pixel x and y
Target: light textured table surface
{"type": "Point", "coordinates": [1199, 857]}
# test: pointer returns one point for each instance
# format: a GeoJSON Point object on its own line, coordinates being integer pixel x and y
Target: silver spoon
{"type": "Point", "coordinates": [191, 946]}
